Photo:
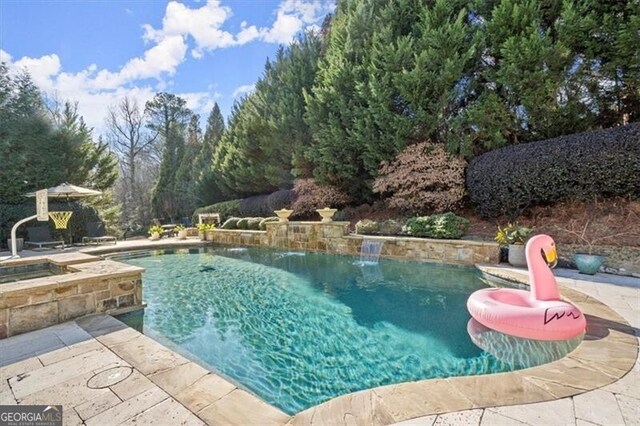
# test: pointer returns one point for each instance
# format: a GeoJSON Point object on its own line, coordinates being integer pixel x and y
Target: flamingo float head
{"type": "Point", "coordinates": [541, 256]}
{"type": "Point", "coordinates": [544, 245]}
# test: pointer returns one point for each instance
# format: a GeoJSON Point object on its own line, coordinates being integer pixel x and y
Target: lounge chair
{"type": "Point", "coordinates": [96, 234]}
{"type": "Point", "coordinates": [39, 236]}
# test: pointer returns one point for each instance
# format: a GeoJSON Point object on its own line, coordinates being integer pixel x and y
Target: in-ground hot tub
{"type": "Point", "coordinates": [41, 291]}
{"type": "Point", "coordinates": [39, 269]}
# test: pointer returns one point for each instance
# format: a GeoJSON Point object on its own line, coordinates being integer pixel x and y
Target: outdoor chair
{"type": "Point", "coordinates": [39, 236]}
{"type": "Point", "coordinates": [96, 234]}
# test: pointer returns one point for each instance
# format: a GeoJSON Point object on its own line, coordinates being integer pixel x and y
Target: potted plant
{"type": "Point", "coordinates": [586, 260]}
{"type": "Point", "coordinates": [154, 232]}
{"type": "Point", "coordinates": [209, 231]}
{"type": "Point", "coordinates": [514, 236]}
{"type": "Point", "coordinates": [182, 232]}
{"type": "Point", "coordinates": [202, 229]}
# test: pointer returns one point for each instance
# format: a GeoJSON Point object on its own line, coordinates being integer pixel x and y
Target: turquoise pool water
{"type": "Point", "coordinates": [298, 329]}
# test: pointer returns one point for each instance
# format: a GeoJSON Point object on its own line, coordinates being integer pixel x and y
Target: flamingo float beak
{"type": "Point", "coordinates": [551, 256]}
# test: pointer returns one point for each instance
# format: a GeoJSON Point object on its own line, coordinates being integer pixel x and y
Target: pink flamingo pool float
{"type": "Point", "coordinates": [538, 314]}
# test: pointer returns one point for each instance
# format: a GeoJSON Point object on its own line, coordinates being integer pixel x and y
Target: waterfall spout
{"type": "Point", "coordinates": [370, 251]}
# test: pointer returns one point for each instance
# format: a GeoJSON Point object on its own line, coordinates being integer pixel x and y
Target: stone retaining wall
{"type": "Point", "coordinates": [333, 237]}
{"type": "Point", "coordinates": [238, 237]}
{"type": "Point", "coordinates": [94, 287]}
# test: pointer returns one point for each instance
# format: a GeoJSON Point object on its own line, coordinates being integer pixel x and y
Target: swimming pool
{"type": "Point", "coordinates": [298, 329]}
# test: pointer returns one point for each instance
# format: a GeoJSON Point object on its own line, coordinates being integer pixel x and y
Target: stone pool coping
{"type": "Point", "coordinates": [608, 352]}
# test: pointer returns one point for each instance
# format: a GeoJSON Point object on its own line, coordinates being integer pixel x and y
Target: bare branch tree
{"type": "Point", "coordinates": [134, 143]}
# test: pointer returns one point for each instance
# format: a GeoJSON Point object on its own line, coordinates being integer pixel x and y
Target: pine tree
{"type": "Point", "coordinates": [168, 115]}
{"type": "Point", "coordinates": [43, 152]}
{"type": "Point", "coordinates": [185, 184]}
{"type": "Point", "coordinates": [337, 113]}
{"type": "Point", "coordinates": [267, 135]}
{"type": "Point", "coordinates": [207, 188]}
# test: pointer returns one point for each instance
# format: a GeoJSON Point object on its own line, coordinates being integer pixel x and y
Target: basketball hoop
{"type": "Point", "coordinates": [60, 219]}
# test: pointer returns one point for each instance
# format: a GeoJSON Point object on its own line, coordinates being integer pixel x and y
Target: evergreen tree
{"type": "Point", "coordinates": [185, 183]}
{"type": "Point", "coordinates": [41, 152]}
{"type": "Point", "coordinates": [168, 115]}
{"type": "Point", "coordinates": [207, 189]}
{"type": "Point", "coordinates": [267, 135]}
{"type": "Point", "coordinates": [603, 38]}
{"type": "Point", "coordinates": [336, 104]}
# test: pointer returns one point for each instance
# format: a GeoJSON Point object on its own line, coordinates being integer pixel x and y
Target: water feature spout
{"type": "Point", "coordinates": [370, 251]}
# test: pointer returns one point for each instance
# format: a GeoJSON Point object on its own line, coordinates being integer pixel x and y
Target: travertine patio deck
{"type": "Point", "coordinates": [598, 383]}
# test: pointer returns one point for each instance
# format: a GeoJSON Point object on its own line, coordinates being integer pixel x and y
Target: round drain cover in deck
{"type": "Point", "coordinates": [109, 377]}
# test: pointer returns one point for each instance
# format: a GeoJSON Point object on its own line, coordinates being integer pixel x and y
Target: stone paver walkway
{"type": "Point", "coordinates": [104, 373]}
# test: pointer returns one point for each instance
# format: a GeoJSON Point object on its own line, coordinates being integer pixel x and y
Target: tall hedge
{"type": "Point", "coordinates": [583, 165]}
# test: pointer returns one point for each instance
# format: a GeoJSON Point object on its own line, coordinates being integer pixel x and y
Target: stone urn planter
{"type": "Point", "coordinates": [209, 235]}
{"type": "Point", "coordinates": [517, 256]}
{"type": "Point", "coordinates": [182, 234]}
{"type": "Point", "coordinates": [283, 214]}
{"type": "Point", "coordinates": [588, 263]}
{"type": "Point", "coordinates": [154, 236]}
{"type": "Point", "coordinates": [327, 214]}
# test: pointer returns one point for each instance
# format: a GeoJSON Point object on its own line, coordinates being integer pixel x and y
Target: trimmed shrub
{"type": "Point", "coordinates": [367, 227]}
{"type": "Point", "coordinates": [263, 222]}
{"type": "Point", "coordinates": [391, 227]}
{"type": "Point", "coordinates": [231, 223]}
{"type": "Point", "coordinates": [282, 199]}
{"type": "Point", "coordinates": [243, 223]}
{"type": "Point", "coordinates": [253, 223]}
{"type": "Point", "coordinates": [445, 226]}
{"type": "Point", "coordinates": [422, 178]}
{"type": "Point", "coordinates": [76, 228]}
{"type": "Point", "coordinates": [255, 206]}
{"type": "Point", "coordinates": [583, 165]}
{"type": "Point", "coordinates": [387, 227]}
{"type": "Point", "coordinates": [310, 196]}
{"type": "Point", "coordinates": [226, 209]}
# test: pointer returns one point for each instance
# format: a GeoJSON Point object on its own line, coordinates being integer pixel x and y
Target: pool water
{"type": "Point", "coordinates": [297, 329]}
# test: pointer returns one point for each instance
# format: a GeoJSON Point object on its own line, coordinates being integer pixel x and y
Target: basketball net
{"type": "Point", "coordinates": [60, 219]}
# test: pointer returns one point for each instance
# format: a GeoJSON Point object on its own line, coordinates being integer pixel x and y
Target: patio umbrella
{"type": "Point", "coordinates": [67, 191]}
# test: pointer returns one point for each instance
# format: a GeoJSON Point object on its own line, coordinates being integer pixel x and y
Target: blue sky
{"type": "Point", "coordinates": [97, 52]}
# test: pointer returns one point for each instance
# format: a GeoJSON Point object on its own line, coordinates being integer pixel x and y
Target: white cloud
{"type": "Point", "coordinates": [292, 16]}
{"type": "Point", "coordinates": [41, 69]}
{"type": "Point", "coordinates": [92, 96]}
{"type": "Point", "coordinates": [241, 90]}
{"type": "Point", "coordinates": [204, 24]}
{"type": "Point", "coordinates": [96, 89]}
{"type": "Point", "coordinates": [4, 56]}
